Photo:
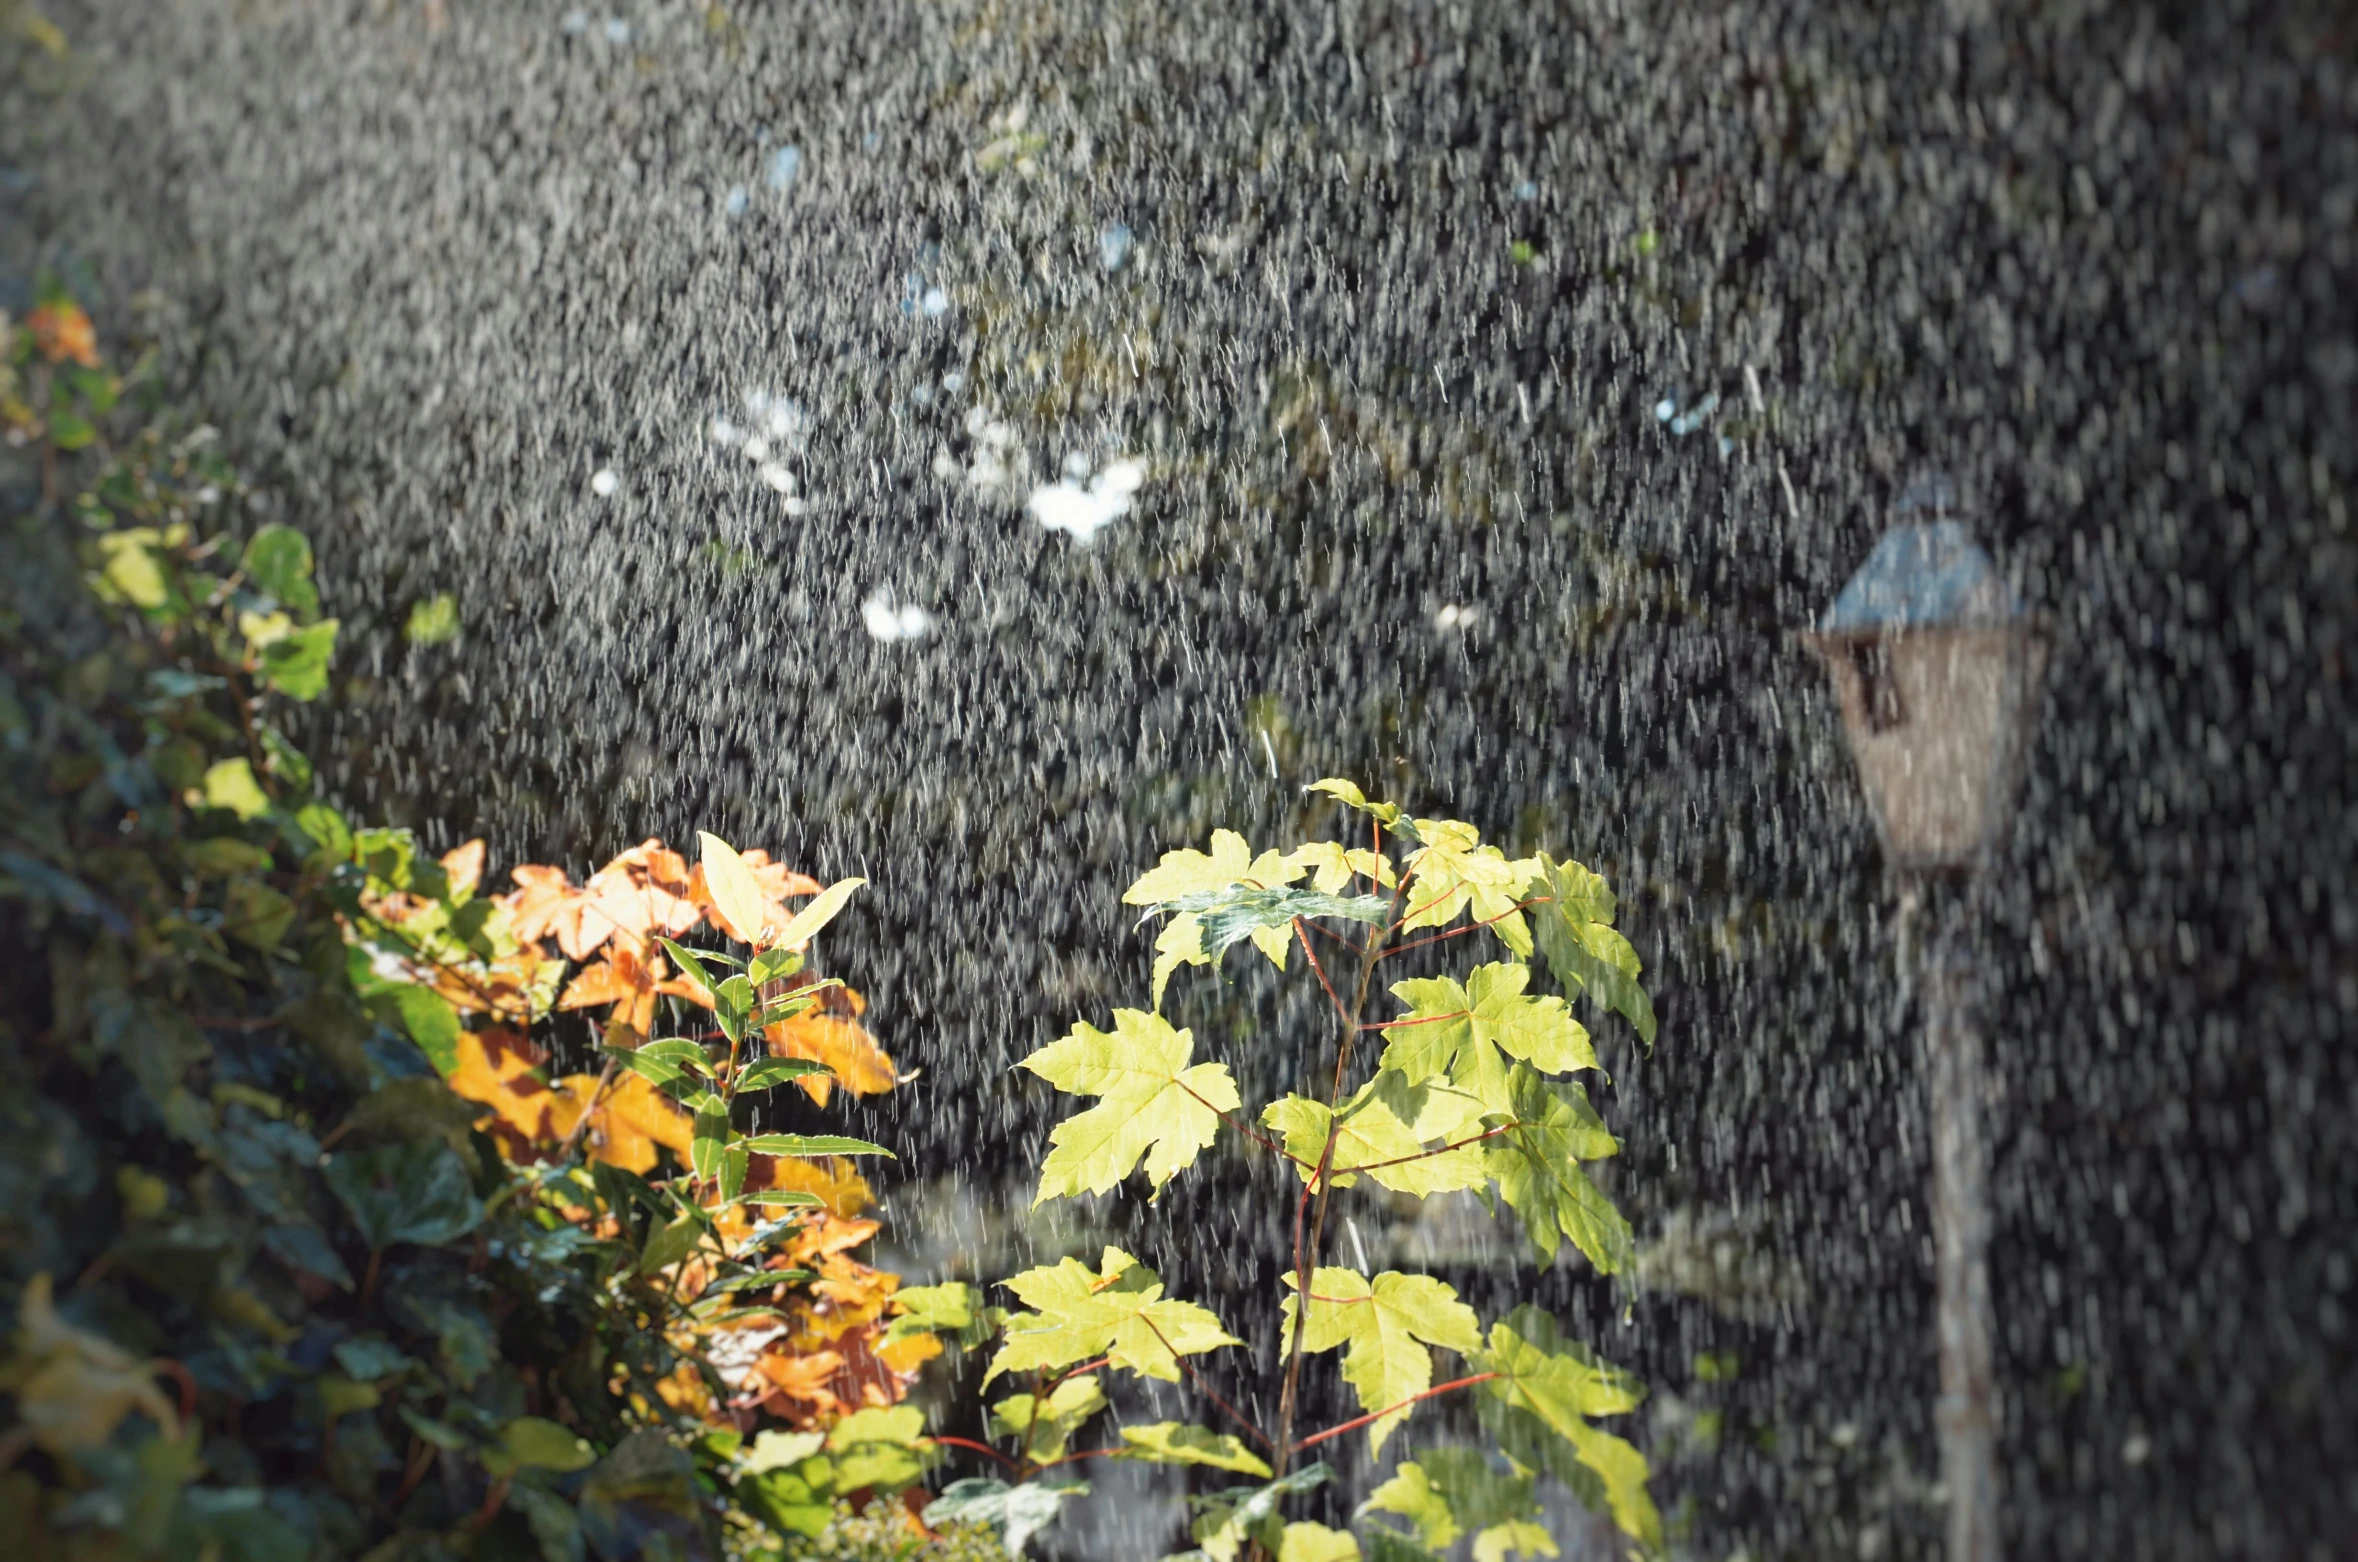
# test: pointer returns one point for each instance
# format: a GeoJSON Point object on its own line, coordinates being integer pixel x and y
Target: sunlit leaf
{"type": "Point", "coordinates": [1582, 949]}
{"type": "Point", "coordinates": [811, 918]}
{"type": "Point", "coordinates": [1466, 1034]}
{"type": "Point", "coordinates": [813, 1144]}
{"type": "Point", "coordinates": [1387, 1322]}
{"type": "Point", "coordinates": [1349, 794]}
{"type": "Point", "coordinates": [1153, 1104]}
{"type": "Point", "coordinates": [1117, 1311]}
{"type": "Point", "coordinates": [1536, 1162]}
{"type": "Point", "coordinates": [1170, 1442]}
{"type": "Point", "coordinates": [1042, 1427]}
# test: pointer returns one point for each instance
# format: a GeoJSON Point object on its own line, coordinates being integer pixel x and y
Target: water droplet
{"type": "Point", "coordinates": [603, 482]}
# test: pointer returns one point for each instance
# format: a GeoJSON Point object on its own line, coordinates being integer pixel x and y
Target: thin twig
{"type": "Point", "coordinates": [1430, 1019]}
{"type": "Point", "coordinates": [1206, 1389]}
{"type": "Point", "coordinates": [1249, 1132]}
{"type": "Point", "coordinates": [1354, 1425]}
{"type": "Point", "coordinates": [1470, 927]}
{"type": "Point", "coordinates": [985, 1449]}
{"type": "Point", "coordinates": [1321, 970]}
{"type": "Point", "coordinates": [581, 1126]}
{"type": "Point", "coordinates": [1425, 1155]}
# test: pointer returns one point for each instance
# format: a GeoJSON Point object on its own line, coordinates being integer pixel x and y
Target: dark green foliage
{"type": "Point", "coordinates": [274, 1298]}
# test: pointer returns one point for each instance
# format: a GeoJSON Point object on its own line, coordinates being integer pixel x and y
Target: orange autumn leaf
{"type": "Point", "coordinates": [631, 1120]}
{"type": "Point", "coordinates": [624, 978]}
{"type": "Point", "coordinates": [843, 1192]}
{"type": "Point", "coordinates": [63, 331]}
{"type": "Point", "coordinates": [545, 904]}
{"type": "Point", "coordinates": [830, 1033]}
{"type": "Point", "coordinates": [464, 864]}
{"type": "Point", "coordinates": [777, 883]}
{"type": "Point", "coordinates": [497, 1068]}
{"type": "Point", "coordinates": [642, 893]}
{"type": "Point", "coordinates": [801, 1377]}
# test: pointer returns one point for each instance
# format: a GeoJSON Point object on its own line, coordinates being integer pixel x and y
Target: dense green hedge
{"type": "Point", "coordinates": [274, 1298]}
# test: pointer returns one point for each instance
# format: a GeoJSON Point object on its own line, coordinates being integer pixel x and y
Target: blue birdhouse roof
{"type": "Point", "coordinates": [1924, 573]}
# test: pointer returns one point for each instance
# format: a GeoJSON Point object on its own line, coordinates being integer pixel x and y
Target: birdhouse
{"type": "Point", "coordinates": [1937, 667]}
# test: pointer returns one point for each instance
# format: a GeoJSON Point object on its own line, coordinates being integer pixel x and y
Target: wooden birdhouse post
{"type": "Point", "coordinates": [1937, 667]}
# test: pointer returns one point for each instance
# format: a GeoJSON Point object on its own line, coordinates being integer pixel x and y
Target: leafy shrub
{"type": "Point", "coordinates": [1461, 1097]}
{"type": "Point", "coordinates": [278, 1290]}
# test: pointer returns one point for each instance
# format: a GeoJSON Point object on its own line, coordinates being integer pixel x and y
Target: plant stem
{"type": "Point", "coordinates": [1354, 1425]}
{"type": "Point", "coordinates": [581, 1126]}
{"type": "Point", "coordinates": [1321, 1185]}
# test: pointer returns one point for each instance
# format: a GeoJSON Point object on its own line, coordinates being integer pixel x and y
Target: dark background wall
{"type": "Point", "coordinates": [1406, 284]}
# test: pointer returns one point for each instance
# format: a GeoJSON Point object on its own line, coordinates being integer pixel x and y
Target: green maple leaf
{"type": "Point", "coordinates": [1117, 1311]}
{"type": "Point", "coordinates": [1349, 794]}
{"type": "Point", "coordinates": [1520, 1536]}
{"type": "Point", "coordinates": [1459, 1032]}
{"type": "Point", "coordinates": [1411, 1494]}
{"type": "Point", "coordinates": [1387, 1322]}
{"type": "Point", "coordinates": [1582, 948]}
{"type": "Point", "coordinates": [1334, 865]}
{"type": "Point", "coordinates": [1153, 1104]}
{"type": "Point", "coordinates": [1170, 1442]}
{"type": "Point", "coordinates": [1536, 1162]}
{"type": "Point", "coordinates": [1372, 1135]}
{"type": "Point", "coordinates": [1544, 1384]}
{"type": "Point", "coordinates": [1187, 873]}
{"type": "Point", "coordinates": [1452, 870]}
{"type": "Point", "coordinates": [1048, 1423]}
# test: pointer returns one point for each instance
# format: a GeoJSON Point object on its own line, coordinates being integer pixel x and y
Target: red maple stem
{"type": "Point", "coordinates": [1249, 1132]}
{"type": "Point", "coordinates": [985, 1449]}
{"type": "Point", "coordinates": [1206, 1389]}
{"type": "Point", "coordinates": [1426, 1155]}
{"type": "Point", "coordinates": [1430, 1019]}
{"type": "Point", "coordinates": [1321, 970]}
{"type": "Point", "coordinates": [1354, 1425]}
{"type": "Point", "coordinates": [1470, 927]}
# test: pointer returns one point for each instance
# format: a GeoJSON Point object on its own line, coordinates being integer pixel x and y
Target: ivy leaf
{"type": "Point", "coordinates": [1349, 794]}
{"type": "Point", "coordinates": [1153, 1104]}
{"type": "Point", "coordinates": [405, 1193]}
{"type": "Point", "coordinates": [1387, 1323]}
{"type": "Point", "coordinates": [231, 785]}
{"type": "Point", "coordinates": [1519, 1536]}
{"type": "Point", "coordinates": [1118, 1311]}
{"type": "Point", "coordinates": [1372, 1134]}
{"type": "Point", "coordinates": [529, 1442]}
{"type": "Point", "coordinates": [1170, 1442]}
{"type": "Point", "coordinates": [1536, 1162]}
{"type": "Point", "coordinates": [1459, 1032]}
{"type": "Point", "coordinates": [278, 563]}
{"type": "Point", "coordinates": [296, 663]}
{"type": "Point", "coordinates": [1048, 1424]}
{"type": "Point", "coordinates": [1014, 1513]}
{"type": "Point", "coordinates": [813, 1144]}
{"type": "Point", "coordinates": [1582, 949]}
{"type": "Point", "coordinates": [1452, 870]}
